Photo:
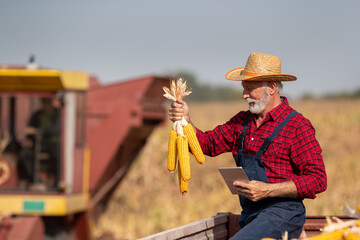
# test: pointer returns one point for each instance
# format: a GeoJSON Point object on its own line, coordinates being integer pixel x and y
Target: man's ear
{"type": "Point", "coordinates": [272, 88]}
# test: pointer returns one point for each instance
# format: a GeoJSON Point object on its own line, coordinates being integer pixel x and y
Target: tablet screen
{"type": "Point", "coordinates": [231, 174]}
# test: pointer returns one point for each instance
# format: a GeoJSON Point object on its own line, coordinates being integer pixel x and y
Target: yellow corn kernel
{"type": "Point", "coordinates": [172, 151]}
{"type": "Point", "coordinates": [194, 143]}
{"type": "Point", "coordinates": [184, 159]}
{"type": "Point", "coordinates": [335, 235]}
{"type": "Point", "coordinates": [352, 236]}
{"type": "Point", "coordinates": [183, 185]}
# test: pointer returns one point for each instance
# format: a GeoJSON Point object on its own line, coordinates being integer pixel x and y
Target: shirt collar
{"type": "Point", "coordinates": [278, 111]}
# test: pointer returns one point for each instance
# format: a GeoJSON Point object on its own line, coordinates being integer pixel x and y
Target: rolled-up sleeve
{"type": "Point", "coordinates": [306, 155]}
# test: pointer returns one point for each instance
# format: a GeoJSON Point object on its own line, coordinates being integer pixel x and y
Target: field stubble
{"type": "Point", "coordinates": [148, 200]}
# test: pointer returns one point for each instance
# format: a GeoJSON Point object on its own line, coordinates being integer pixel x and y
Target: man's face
{"type": "Point", "coordinates": [257, 96]}
{"type": "Point", "coordinates": [46, 104]}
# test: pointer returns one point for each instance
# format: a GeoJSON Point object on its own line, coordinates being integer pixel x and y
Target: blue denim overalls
{"type": "Point", "coordinates": [268, 217]}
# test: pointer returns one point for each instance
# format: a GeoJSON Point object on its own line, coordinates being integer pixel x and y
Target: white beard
{"type": "Point", "coordinates": [259, 105]}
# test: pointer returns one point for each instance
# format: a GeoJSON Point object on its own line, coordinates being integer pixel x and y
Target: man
{"type": "Point", "coordinates": [274, 144]}
{"type": "Point", "coordinates": [43, 126]}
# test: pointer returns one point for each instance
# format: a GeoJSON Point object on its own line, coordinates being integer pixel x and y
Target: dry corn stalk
{"type": "Point", "coordinates": [337, 229]}
{"type": "Point", "coordinates": [177, 90]}
{"type": "Point", "coordinates": [335, 235]}
{"type": "Point", "coordinates": [181, 137]}
{"type": "Point", "coordinates": [351, 212]}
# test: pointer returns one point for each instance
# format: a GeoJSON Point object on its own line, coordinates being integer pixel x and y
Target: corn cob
{"type": "Point", "coordinates": [194, 143]}
{"type": "Point", "coordinates": [183, 185]}
{"type": "Point", "coordinates": [184, 160]}
{"type": "Point", "coordinates": [335, 235]}
{"type": "Point", "coordinates": [352, 236]}
{"type": "Point", "coordinates": [172, 151]}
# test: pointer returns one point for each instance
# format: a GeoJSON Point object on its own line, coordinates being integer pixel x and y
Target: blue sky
{"type": "Point", "coordinates": [318, 41]}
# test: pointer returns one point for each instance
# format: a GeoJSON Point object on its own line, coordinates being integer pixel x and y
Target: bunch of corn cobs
{"type": "Point", "coordinates": [181, 137]}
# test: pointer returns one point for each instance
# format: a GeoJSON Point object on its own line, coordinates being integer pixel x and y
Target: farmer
{"type": "Point", "coordinates": [274, 144]}
{"type": "Point", "coordinates": [43, 126]}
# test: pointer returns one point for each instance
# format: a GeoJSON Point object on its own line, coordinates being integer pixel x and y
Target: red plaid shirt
{"type": "Point", "coordinates": [294, 154]}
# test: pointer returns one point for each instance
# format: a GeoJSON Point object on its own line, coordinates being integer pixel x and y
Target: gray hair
{"type": "Point", "coordinates": [279, 85]}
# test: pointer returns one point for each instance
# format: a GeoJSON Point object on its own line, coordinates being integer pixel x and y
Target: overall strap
{"type": "Point", "coordinates": [268, 140]}
{"type": "Point", "coordinates": [242, 134]}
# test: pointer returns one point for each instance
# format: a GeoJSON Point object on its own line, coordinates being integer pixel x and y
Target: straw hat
{"type": "Point", "coordinates": [260, 67]}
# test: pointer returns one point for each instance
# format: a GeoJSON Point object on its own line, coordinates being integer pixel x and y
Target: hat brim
{"type": "Point", "coordinates": [235, 75]}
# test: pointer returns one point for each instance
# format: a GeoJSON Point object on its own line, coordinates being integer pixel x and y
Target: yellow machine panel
{"type": "Point", "coordinates": [44, 205]}
{"type": "Point", "coordinates": [42, 80]}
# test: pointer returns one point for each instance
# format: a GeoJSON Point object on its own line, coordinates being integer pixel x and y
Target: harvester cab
{"type": "Point", "coordinates": [42, 130]}
{"type": "Point", "coordinates": [42, 122]}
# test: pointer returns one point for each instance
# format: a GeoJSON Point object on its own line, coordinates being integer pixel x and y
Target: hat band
{"type": "Point", "coordinates": [250, 74]}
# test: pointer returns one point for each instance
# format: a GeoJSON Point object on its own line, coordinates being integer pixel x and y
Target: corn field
{"type": "Point", "coordinates": [148, 199]}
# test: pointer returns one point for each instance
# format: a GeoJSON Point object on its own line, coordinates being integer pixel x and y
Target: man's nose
{"type": "Point", "coordinates": [245, 94]}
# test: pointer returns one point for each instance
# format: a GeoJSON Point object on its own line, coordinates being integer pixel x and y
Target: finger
{"type": "Point", "coordinates": [180, 101]}
{"type": "Point", "coordinates": [237, 183]}
{"type": "Point", "coordinates": [241, 191]}
{"type": "Point", "coordinates": [175, 116]}
{"type": "Point", "coordinates": [174, 104]}
{"type": "Point", "coordinates": [176, 111]}
{"type": "Point", "coordinates": [240, 184]}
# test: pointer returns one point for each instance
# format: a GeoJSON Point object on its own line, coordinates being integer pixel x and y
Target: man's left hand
{"type": "Point", "coordinates": [253, 190]}
{"type": "Point", "coordinates": [256, 190]}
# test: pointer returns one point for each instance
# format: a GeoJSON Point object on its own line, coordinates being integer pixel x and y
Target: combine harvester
{"type": "Point", "coordinates": [57, 178]}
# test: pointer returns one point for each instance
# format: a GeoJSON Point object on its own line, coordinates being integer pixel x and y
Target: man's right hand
{"type": "Point", "coordinates": [30, 131]}
{"type": "Point", "coordinates": [178, 110]}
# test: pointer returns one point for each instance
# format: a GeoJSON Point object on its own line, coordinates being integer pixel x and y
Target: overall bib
{"type": "Point", "coordinates": [268, 217]}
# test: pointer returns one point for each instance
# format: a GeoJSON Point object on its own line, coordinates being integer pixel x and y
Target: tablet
{"type": "Point", "coordinates": [231, 174]}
